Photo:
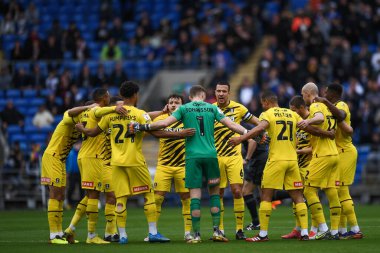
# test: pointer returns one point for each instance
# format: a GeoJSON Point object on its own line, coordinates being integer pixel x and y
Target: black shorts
{"type": "Point", "coordinates": [253, 171]}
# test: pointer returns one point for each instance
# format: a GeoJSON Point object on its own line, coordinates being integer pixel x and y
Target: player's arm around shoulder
{"type": "Point", "coordinates": [92, 132]}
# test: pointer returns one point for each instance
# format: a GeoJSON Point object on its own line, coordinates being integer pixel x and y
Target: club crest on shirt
{"type": "Point", "coordinates": [146, 116]}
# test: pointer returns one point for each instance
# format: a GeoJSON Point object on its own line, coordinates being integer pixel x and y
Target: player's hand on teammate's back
{"type": "Point", "coordinates": [320, 100]}
{"type": "Point", "coordinates": [121, 110]}
{"type": "Point", "coordinates": [79, 127]}
{"type": "Point", "coordinates": [133, 127]}
{"type": "Point", "coordinates": [303, 124]}
{"type": "Point", "coordinates": [331, 134]}
{"type": "Point", "coordinates": [187, 132]}
{"type": "Point", "coordinates": [234, 141]}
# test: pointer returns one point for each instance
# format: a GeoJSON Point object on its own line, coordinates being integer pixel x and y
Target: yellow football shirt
{"type": "Point", "coordinates": [282, 130]}
{"type": "Point", "coordinates": [63, 138]}
{"type": "Point", "coordinates": [93, 147]}
{"type": "Point", "coordinates": [171, 151]}
{"type": "Point", "coordinates": [126, 149]}
{"type": "Point", "coordinates": [303, 141]}
{"type": "Point", "coordinates": [236, 112]}
{"type": "Point", "coordinates": [323, 146]}
{"type": "Point", "coordinates": [343, 140]}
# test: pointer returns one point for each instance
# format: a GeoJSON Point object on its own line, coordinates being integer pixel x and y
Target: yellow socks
{"type": "Point", "coordinates": [109, 213]}
{"type": "Point", "coordinates": [239, 213]}
{"type": "Point", "coordinates": [264, 214]}
{"type": "Point", "coordinates": [335, 208]}
{"type": "Point", "coordinates": [158, 199]}
{"type": "Point", "coordinates": [79, 212]}
{"type": "Point", "coordinates": [221, 226]}
{"type": "Point", "coordinates": [348, 210]}
{"type": "Point", "coordinates": [298, 224]}
{"type": "Point", "coordinates": [301, 212]}
{"type": "Point", "coordinates": [92, 214]}
{"type": "Point", "coordinates": [53, 217]}
{"type": "Point", "coordinates": [150, 207]}
{"type": "Point", "coordinates": [311, 195]}
{"type": "Point", "coordinates": [186, 214]}
{"type": "Point", "coordinates": [121, 212]}
{"type": "Point", "coordinates": [60, 217]}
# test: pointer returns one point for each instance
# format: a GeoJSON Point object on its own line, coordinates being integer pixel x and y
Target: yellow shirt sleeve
{"type": "Point", "coordinates": [103, 123]}
{"type": "Point", "coordinates": [101, 111]}
{"type": "Point", "coordinates": [264, 116]}
{"type": "Point", "coordinates": [315, 108]}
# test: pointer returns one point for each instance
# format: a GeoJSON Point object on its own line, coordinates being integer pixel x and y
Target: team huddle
{"type": "Point", "coordinates": [310, 148]}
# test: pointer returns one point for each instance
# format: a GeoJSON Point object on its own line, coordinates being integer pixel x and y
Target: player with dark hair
{"type": "Point", "coordinates": [229, 158]}
{"type": "Point", "coordinates": [201, 156]}
{"type": "Point", "coordinates": [130, 174]}
{"type": "Point", "coordinates": [347, 159]}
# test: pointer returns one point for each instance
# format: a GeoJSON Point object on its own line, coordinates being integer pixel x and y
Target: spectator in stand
{"type": "Point", "coordinates": [21, 79]}
{"type": "Point", "coordinates": [111, 51]}
{"type": "Point", "coordinates": [117, 31]}
{"type": "Point", "coordinates": [146, 24]}
{"type": "Point", "coordinates": [52, 80]}
{"type": "Point", "coordinates": [247, 91]}
{"type": "Point", "coordinates": [32, 14]}
{"type": "Point", "coordinates": [7, 25]}
{"type": "Point", "coordinates": [85, 78]}
{"type": "Point", "coordinates": [203, 57]}
{"type": "Point", "coordinates": [219, 76]}
{"type": "Point", "coordinates": [73, 176]}
{"type": "Point", "coordinates": [118, 75]}
{"type": "Point", "coordinates": [32, 47]}
{"type": "Point", "coordinates": [43, 118]}
{"type": "Point", "coordinates": [56, 31]}
{"type": "Point", "coordinates": [70, 37]}
{"type": "Point", "coordinates": [102, 33]}
{"type": "Point", "coordinates": [21, 24]}
{"type": "Point", "coordinates": [52, 51]}
{"type": "Point", "coordinates": [37, 78]}
{"type": "Point", "coordinates": [11, 116]}
{"type": "Point", "coordinates": [101, 76]}
{"type": "Point", "coordinates": [375, 60]}
{"type": "Point", "coordinates": [81, 52]}
{"type": "Point", "coordinates": [325, 70]}
{"type": "Point", "coordinates": [34, 158]}
{"type": "Point", "coordinates": [52, 104]}
{"type": "Point", "coordinates": [222, 57]}
{"type": "Point", "coordinates": [5, 77]}
{"type": "Point", "coordinates": [17, 51]}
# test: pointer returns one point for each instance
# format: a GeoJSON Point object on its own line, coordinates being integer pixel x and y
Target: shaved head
{"type": "Point", "coordinates": [309, 92]}
{"type": "Point", "coordinates": [310, 88]}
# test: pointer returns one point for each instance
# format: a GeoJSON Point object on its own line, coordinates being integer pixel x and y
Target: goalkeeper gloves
{"type": "Point", "coordinates": [135, 127]}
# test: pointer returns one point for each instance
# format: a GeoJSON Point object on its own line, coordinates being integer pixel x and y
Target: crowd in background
{"type": "Point", "coordinates": [328, 41]}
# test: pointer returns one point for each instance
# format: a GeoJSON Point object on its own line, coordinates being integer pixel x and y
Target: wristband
{"type": "Point", "coordinates": [145, 127]}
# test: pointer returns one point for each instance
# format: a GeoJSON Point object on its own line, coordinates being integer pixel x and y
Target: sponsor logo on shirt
{"type": "Point", "coordinates": [298, 184]}
{"type": "Point", "coordinates": [87, 184]}
{"type": "Point", "coordinates": [214, 180]}
{"type": "Point", "coordinates": [45, 180]}
{"type": "Point", "coordinates": [140, 188]}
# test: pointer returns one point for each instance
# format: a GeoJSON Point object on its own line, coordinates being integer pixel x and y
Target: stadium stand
{"type": "Point", "coordinates": [50, 51]}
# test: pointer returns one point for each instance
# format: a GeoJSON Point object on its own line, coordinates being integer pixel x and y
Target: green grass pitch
{"type": "Point", "coordinates": [27, 231]}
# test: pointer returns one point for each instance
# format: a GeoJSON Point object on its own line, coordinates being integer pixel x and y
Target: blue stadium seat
{"type": "Point", "coordinates": [13, 93]}
{"type": "Point", "coordinates": [57, 119]}
{"type": "Point", "coordinates": [2, 94]}
{"type": "Point", "coordinates": [18, 137]}
{"type": "Point", "coordinates": [31, 111]}
{"type": "Point", "coordinates": [20, 102]}
{"type": "Point", "coordinates": [30, 129]}
{"type": "Point", "coordinates": [37, 138]}
{"type": "Point", "coordinates": [29, 93]}
{"type": "Point", "coordinates": [14, 129]}
{"type": "Point", "coordinates": [109, 66]}
{"type": "Point", "coordinates": [37, 101]}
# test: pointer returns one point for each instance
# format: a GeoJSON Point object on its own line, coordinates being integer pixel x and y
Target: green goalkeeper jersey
{"type": "Point", "coordinates": [201, 116]}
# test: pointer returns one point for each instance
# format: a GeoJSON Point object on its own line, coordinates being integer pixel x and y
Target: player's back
{"type": "Point", "coordinates": [236, 112]}
{"type": "Point", "coordinates": [91, 146]}
{"type": "Point", "coordinates": [172, 150]}
{"type": "Point", "coordinates": [282, 131]}
{"type": "Point", "coordinates": [303, 141]}
{"type": "Point", "coordinates": [342, 140]}
{"type": "Point", "coordinates": [201, 116]}
{"type": "Point", "coordinates": [63, 138]}
{"type": "Point", "coordinates": [323, 146]}
{"type": "Point", "coordinates": [126, 149]}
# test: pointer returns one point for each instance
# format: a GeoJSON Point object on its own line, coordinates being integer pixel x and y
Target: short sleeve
{"type": "Point", "coordinates": [145, 118]}
{"type": "Point", "coordinates": [67, 120]}
{"type": "Point", "coordinates": [342, 106]}
{"type": "Point", "coordinates": [178, 113]}
{"type": "Point", "coordinates": [264, 116]}
{"type": "Point", "coordinates": [103, 123]}
{"type": "Point", "coordinates": [315, 108]}
{"type": "Point", "coordinates": [218, 113]}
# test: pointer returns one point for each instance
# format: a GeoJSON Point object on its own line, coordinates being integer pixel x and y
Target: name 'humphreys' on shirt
{"type": "Point", "coordinates": [121, 117]}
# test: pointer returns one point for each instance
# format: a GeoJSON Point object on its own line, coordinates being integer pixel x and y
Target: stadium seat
{"type": "Point", "coordinates": [30, 129]}
{"type": "Point", "coordinates": [29, 93]}
{"type": "Point", "coordinates": [14, 129]}
{"type": "Point", "coordinates": [37, 138]}
{"type": "Point", "coordinates": [31, 111]}
{"type": "Point", "coordinates": [13, 93]}
{"type": "Point", "coordinates": [18, 137]}
{"type": "Point", "coordinates": [18, 102]}
{"type": "Point", "coordinates": [37, 101]}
